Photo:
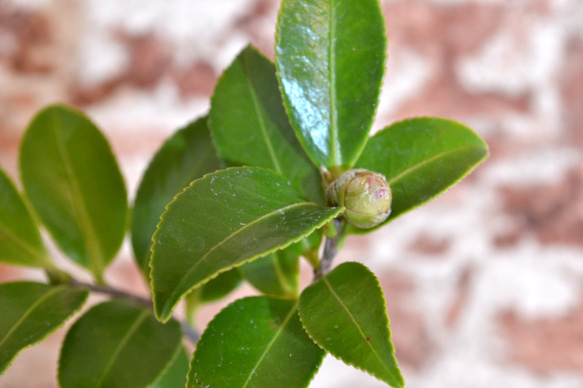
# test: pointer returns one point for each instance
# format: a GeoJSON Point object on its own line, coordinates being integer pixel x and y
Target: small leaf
{"type": "Point", "coordinates": [74, 184]}
{"type": "Point", "coordinates": [20, 241]}
{"type": "Point", "coordinates": [216, 288]}
{"type": "Point", "coordinates": [175, 375]}
{"type": "Point", "coordinates": [276, 274]}
{"type": "Point", "coordinates": [30, 312]}
{"type": "Point", "coordinates": [117, 344]}
{"type": "Point", "coordinates": [222, 221]}
{"type": "Point", "coordinates": [250, 126]}
{"type": "Point", "coordinates": [421, 158]}
{"type": "Point", "coordinates": [255, 342]}
{"type": "Point", "coordinates": [344, 312]}
{"type": "Point", "coordinates": [186, 156]}
{"type": "Point", "coordinates": [330, 57]}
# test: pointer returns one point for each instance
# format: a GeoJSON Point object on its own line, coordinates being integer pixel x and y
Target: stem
{"type": "Point", "coordinates": [330, 251]}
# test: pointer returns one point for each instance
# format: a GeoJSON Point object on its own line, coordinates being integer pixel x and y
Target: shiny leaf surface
{"type": "Point", "coordinates": [330, 57]}
{"type": "Point", "coordinates": [117, 344]}
{"type": "Point", "coordinates": [74, 184]}
{"type": "Point", "coordinates": [186, 156]}
{"type": "Point", "coordinates": [421, 158]}
{"type": "Point", "coordinates": [250, 126]}
{"type": "Point", "coordinates": [30, 312]}
{"type": "Point", "coordinates": [344, 312]}
{"type": "Point", "coordinates": [20, 241]}
{"type": "Point", "coordinates": [256, 342]}
{"type": "Point", "coordinates": [222, 221]}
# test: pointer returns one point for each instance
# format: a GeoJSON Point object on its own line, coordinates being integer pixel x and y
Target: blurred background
{"type": "Point", "coordinates": [483, 285]}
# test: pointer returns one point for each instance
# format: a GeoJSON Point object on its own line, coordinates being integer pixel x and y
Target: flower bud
{"type": "Point", "coordinates": [366, 196]}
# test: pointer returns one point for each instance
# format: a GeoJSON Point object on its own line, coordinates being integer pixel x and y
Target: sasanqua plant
{"type": "Point", "coordinates": [282, 168]}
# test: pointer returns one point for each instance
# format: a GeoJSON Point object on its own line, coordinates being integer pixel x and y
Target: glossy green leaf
{"type": "Point", "coordinates": [250, 126]}
{"type": "Point", "coordinates": [216, 288]}
{"type": "Point", "coordinates": [20, 241]}
{"type": "Point", "coordinates": [330, 57]}
{"type": "Point", "coordinates": [344, 312]}
{"type": "Point", "coordinates": [255, 342]}
{"type": "Point", "coordinates": [276, 274]}
{"type": "Point", "coordinates": [421, 158]}
{"type": "Point", "coordinates": [117, 344]}
{"type": "Point", "coordinates": [222, 221]}
{"type": "Point", "coordinates": [29, 312]}
{"type": "Point", "coordinates": [74, 184]}
{"type": "Point", "coordinates": [175, 375]}
{"type": "Point", "coordinates": [186, 156]}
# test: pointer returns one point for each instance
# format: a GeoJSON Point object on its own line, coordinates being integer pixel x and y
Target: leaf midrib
{"type": "Point", "coordinates": [121, 345]}
{"type": "Point", "coordinates": [29, 311]}
{"type": "Point", "coordinates": [364, 337]}
{"type": "Point", "coordinates": [428, 160]}
{"type": "Point", "coordinates": [270, 344]}
{"type": "Point", "coordinates": [332, 79]}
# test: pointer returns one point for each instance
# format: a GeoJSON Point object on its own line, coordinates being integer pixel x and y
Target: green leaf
{"type": "Point", "coordinates": [330, 57]}
{"type": "Point", "coordinates": [117, 344]}
{"type": "Point", "coordinates": [421, 158]}
{"type": "Point", "coordinates": [30, 312]}
{"type": "Point", "coordinates": [20, 241]}
{"type": "Point", "coordinates": [184, 157]}
{"type": "Point", "coordinates": [73, 182]}
{"type": "Point", "coordinates": [222, 221]}
{"type": "Point", "coordinates": [255, 342]}
{"type": "Point", "coordinates": [216, 288]}
{"type": "Point", "coordinates": [250, 126]}
{"type": "Point", "coordinates": [175, 375]}
{"type": "Point", "coordinates": [276, 274]}
{"type": "Point", "coordinates": [344, 312]}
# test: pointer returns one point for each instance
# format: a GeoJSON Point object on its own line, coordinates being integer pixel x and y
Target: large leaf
{"type": "Point", "coordinates": [20, 241]}
{"type": "Point", "coordinates": [276, 274]}
{"type": "Point", "coordinates": [250, 126]}
{"type": "Point", "coordinates": [330, 57]}
{"type": "Point", "coordinates": [175, 375]}
{"type": "Point", "coordinates": [255, 342]}
{"type": "Point", "coordinates": [74, 184]}
{"type": "Point", "coordinates": [117, 344]}
{"type": "Point", "coordinates": [421, 158]}
{"type": "Point", "coordinates": [184, 157]}
{"type": "Point", "coordinates": [31, 311]}
{"type": "Point", "coordinates": [224, 220]}
{"type": "Point", "coordinates": [345, 313]}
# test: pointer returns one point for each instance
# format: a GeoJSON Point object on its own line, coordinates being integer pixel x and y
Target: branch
{"type": "Point", "coordinates": [330, 251]}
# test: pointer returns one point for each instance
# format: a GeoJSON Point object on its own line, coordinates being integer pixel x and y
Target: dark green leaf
{"type": "Point", "coordinates": [20, 241]}
{"type": "Point", "coordinates": [256, 342]}
{"type": "Point", "coordinates": [276, 274]}
{"type": "Point", "coordinates": [30, 312]}
{"type": "Point", "coordinates": [175, 375]}
{"type": "Point", "coordinates": [222, 221]}
{"type": "Point", "coordinates": [216, 288]}
{"type": "Point", "coordinates": [117, 344]}
{"type": "Point", "coordinates": [74, 184]}
{"type": "Point", "coordinates": [186, 156]}
{"type": "Point", "coordinates": [250, 126]}
{"type": "Point", "coordinates": [345, 313]}
{"type": "Point", "coordinates": [330, 57]}
{"type": "Point", "coordinates": [421, 158]}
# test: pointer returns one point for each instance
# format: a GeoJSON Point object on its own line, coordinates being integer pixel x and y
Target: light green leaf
{"type": "Point", "coordinates": [222, 221]}
{"type": "Point", "coordinates": [255, 342]}
{"type": "Point", "coordinates": [330, 57]}
{"type": "Point", "coordinates": [175, 375]}
{"type": "Point", "coordinates": [30, 312]}
{"type": "Point", "coordinates": [117, 344]}
{"type": "Point", "coordinates": [344, 312]}
{"type": "Point", "coordinates": [250, 126]}
{"type": "Point", "coordinates": [20, 241]}
{"type": "Point", "coordinates": [276, 274]}
{"type": "Point", "coordinates": [74, 184]}
{"type": "Point", "coordinates": [184, 157]}
{"type": "Point", "coordinates": [421, 158]}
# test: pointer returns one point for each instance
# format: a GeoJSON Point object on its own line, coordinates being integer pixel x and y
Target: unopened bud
{"type": "Point", "coordinates": [366, 196]}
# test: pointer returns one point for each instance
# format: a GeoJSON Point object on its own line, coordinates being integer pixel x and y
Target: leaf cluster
{"type": "Point", "coordinates": [237, 195]}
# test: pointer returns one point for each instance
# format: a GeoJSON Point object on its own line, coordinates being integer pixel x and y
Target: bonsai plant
{"type": "Point", "coordinates": [282, 168]}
